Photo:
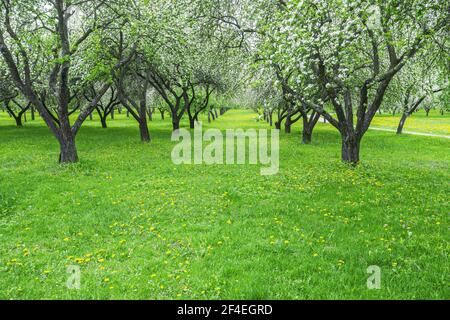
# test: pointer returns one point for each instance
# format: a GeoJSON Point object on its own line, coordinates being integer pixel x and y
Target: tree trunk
{"type": "Point", "coordinates": [427, 112]}
{"type": "Point", "coordinates": [150, 114]}
{"type": "Point", "coordinates": [309, 123]}
{"type": "Point", "coordinates": [287, 127]}
{"type": "Point", "coordinates": [68, 150]}
{"type": "Point", "coordinates": [162, 114]}
{"type": "Point", "coordinates": [271, 119]}
{"type": "Point", "coordinates": [112, 113]}
{"type": "Point", "coordinates": [209, 117]}
{"type": "Point", "coordinates": [277, 125]}
{"type": "Point", "coordinates": [307, 130]}
{"type": "Point", "coordinates": [103, 121]}
{"type": "Point", "coordinates": [192, 123]}
{"type": "Point", "coordinates": [18, 121]}
{"type": "Point", "coordinates": [143, 129]}
{"type": "Point", "coordinates": [175, 121]}
{"type": "Point", "coordinates": [32, 113]}
{"type": "Point", "coordinates": [175, 125]}
{"type": "Point", "coordinates": [90, 116]}
{"type": "Point", "coordinates": [350, 149]}
{"type": "Point", "coordinates": [215, 113]}
{"type": "Point", "coordinates": [306, 136]}
{"type": "Point", "coordinates": [402, 123]}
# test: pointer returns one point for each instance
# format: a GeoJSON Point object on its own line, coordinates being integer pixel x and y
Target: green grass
{"type": "Point", "coordinates": [142, 228]}
{"type": "Point", "coordinates": [418, 122]}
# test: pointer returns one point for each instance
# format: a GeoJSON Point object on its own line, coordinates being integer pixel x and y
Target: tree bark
{"type": "Point", "coordinates": [287, 125]}
{"type": "Point", "coordinates": [68, 150]}
{"type": "Point", "coordinates": [143, 127]}
{"type": "Point", "coordinates": [309, 123]}
{"type": "Point", "coordinates": [306, 135]}
{"type": "Point", "coordinates": [162, 114]}
{"type": "Point", "coordinates": [306, 132]}
{"type": "Point", "coordinates": [350, 148]}
{"type": "Point", "coordinates": [103, 121]}
{"type": "Point", "coordinates": [18, 121]}
{"type": "Point", "coordinates": [175, 121]}
{"type": "Point", "coordinates": [402, 123]}
{"type": "Point", "coordinates": [150, 114]}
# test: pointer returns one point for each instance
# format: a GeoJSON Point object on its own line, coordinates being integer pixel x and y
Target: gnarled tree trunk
{"type": "Point", "coordinates": [350, 148]}
{"type": "Point", "coordinates": [68, 150]}
{"type": "Point", "coordinates": [309, 124]}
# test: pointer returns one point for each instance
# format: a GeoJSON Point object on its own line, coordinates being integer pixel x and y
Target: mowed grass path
{"type": "Point", "coordinates": [435, 123]}
{"type": "Point", "coordinates": [140, 227]}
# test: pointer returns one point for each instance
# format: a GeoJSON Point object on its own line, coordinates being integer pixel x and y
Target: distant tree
{"type": "Point", "coordinates": [105, 106]}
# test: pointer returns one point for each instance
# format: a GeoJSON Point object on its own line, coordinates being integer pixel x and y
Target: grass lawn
{"type": "Point", "coordinates": [140, 227]}
{"type": "Point", "coordinates": [418, 122]}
